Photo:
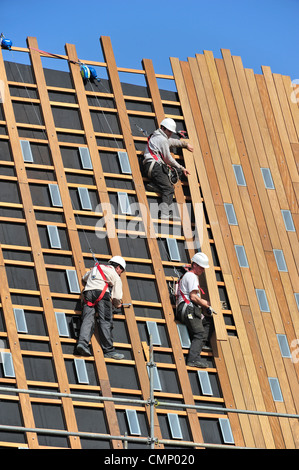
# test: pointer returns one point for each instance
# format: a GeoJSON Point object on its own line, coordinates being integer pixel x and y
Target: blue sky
{"type": "Point", "coordinates": [262, 32]}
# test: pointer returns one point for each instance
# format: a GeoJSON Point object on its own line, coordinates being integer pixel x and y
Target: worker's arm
{"type": "Point", "coordinates": [195, 299]}
{"type": "Point", "coordinates": [86, 276]}
{"type": "Point", "coordinates": [182, 144]}
{"type": "Point", "coordinates": [117, 292]}
{"type": "Point", "coordinates": [117, 303]}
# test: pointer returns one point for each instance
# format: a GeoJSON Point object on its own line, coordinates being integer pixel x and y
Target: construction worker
{"type": "Point", "coordinates": [193, 310]}
{"type": "Point", "coordinates": [103, 290]}
{"type": "Point", "coordinates": [158, 159]}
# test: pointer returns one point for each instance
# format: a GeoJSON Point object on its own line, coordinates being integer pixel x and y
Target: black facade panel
{"type": "Point", "coordinates": [10, 413]}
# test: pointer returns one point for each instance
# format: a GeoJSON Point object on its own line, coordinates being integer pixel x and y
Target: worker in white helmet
{"type": "Point", "coordinates": [194, 311]}
{"type": "Point", "coordinates": [103, 290]}
{"type": "Point", "coordinates": [157, 161]}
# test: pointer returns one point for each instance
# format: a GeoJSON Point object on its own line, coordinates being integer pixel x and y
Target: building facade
{"type": "Point", "coordinates": [71, 187]}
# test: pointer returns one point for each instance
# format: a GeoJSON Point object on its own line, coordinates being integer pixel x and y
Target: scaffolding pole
{"type": "Point", "coordinates": [151, 440]}
{"type": "Point", "coordinates": [151, 366]}
{"type": "Point", "coordinates": [156, 403]}
{"type": "Point", "coordinates": [89, 435]}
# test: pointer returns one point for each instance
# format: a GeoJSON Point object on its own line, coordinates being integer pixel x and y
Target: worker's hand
{"type": "Point", "coordinates": [186, 172]}
{"type": "Point", "coordinates": [190, 148]}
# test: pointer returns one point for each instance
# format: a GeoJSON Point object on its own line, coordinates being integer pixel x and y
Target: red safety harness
{"type": "Point", "coordinates": [93, 304]}
{"type": "Point", "coordinates": [172, 171]}
{"type": "Point", "coordinates": [151, 152]}
{"type": "Point", "coordinates": [183, 295]}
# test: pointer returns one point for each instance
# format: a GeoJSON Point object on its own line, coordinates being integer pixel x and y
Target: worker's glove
{"type": "Point", "coordinates": [211, 311]}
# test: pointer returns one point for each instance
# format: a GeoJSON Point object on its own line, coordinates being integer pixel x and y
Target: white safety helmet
{"type": "Point", "coordinates": [169, 124]}
{"type": "Point", "coordinates": [201, 259]}
{"type": "Point", "coordinates": [118, 260]}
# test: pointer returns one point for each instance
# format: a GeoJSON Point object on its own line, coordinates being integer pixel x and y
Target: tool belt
{"type": "Point", "coordinates": [180, 314]}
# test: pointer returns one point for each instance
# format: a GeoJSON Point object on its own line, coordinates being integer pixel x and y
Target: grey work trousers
{"type": "Point", "coordinates": [161, 180]}
{"type": "Point", "coordinates": [100, 313]}
{"type": "Point", "coordinates": [199, 329]}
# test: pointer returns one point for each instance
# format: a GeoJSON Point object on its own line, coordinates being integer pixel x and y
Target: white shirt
{"type": "Point", "coordinates": [187, 284]}
{"type": "Point", "coordinates": [160, 145]}
{"type": "Point", "coordinates": [93, 280]}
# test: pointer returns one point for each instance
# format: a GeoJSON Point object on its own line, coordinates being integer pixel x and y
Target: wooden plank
{"type": "Point", "coordinates": [271, 428]}
{"type": "Point", "coordinates": [250, 336]}
{"type": "Point", "coordinates": [288, 155]}
{"type": "Point", "coordinates": [7, 309]}
{"type": "Point", "coordinates": [292, 99]}
{"type": "Point", "coordinates": [278, 149]}
{"type": "Point", "coordinates": [285, 108]}
{"type": "Point", "coordinates": [254, 142]}
{"type": "Point", "coordinates": [244, 160]}
{"type": "Point", "coordinates": [160, 115]}
{"type": "Point", "coordinates": [191, 111]}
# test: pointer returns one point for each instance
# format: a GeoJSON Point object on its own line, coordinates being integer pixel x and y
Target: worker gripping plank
{"type": "Point", "coordinates": [194, 311]}
{"type": "Point", "coordinates": [102, 292]}
{"type": "Point", "coordinates": [160, 167]}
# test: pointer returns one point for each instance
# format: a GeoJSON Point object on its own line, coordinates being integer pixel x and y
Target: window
{"type": "Point", "coordinates": [20, 320]}
{"type": "Point", "coordinates": [73, 281]}
{"type": "Point", "coordinates": [26, 151]}
{"type": "Point", "coordinates": [205, 383]}
{"type": "Point", "coordinates": [124, 204]}
{"type": "Point", "coordinates": [184, 335]}
{"type": "Point", "coordinates": [157, 383]}
{"type": "Point", "coordinates": [84, 199]}
{"type": "Point", "coordinates": [280, 261]}
{"type": "Point", "coordinates": [262, 299]}
{"type": "Point", "coordinates": [124, 163]}
{"type": "Point", "coordinates": [288, 220]}
{"type": "Point", "coordinates": [241, 255]}
{"type": "Point", "coordinates": [133, 422]}
{"type": "Point", "coordinates": [55, 195]}
{"type": "Point", "coordinates": [81, 371]}
{"type": "Point", "coordinates": [174, 425]}
{"type": "Point", "coordinates": [85, 158]}
{"type": "Point", "coordinates": [7, 363]}
{"type": "Point", "coordinates": [61, 324]}
{"type": "Point", "coordinates": [283, 344]}
{"type": "Point", "coordinates": [230, 214]}
{"type": "Point", "coordinates": [275, 389]}
{"type": "Point", "coordinates": [267, 178]}
{"type": "Point", "coordinates": [152, 329]}
{"type": "Point", "coordinates": [239, 175]}
{"type": "Point", "coordinates": [53, 236]}
{"type": "Point", "coordinates": [226, 431]}
{"type": "Point", "coordinates": [173, 249]}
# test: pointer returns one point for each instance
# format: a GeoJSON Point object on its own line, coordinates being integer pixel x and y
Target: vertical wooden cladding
{"type": "Point", "coordinates": [250, 120]}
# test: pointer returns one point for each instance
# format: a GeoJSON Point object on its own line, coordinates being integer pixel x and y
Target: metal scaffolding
{"type": "Point", "coordinates": [151, 440]}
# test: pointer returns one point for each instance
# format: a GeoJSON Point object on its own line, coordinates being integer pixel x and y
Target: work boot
{"type": "Point", "coordinates": [114, 355]}
{"type": "Point", "coordinates": [201, 364]}
{"type": "Point", "coordinates": [83, 350]}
